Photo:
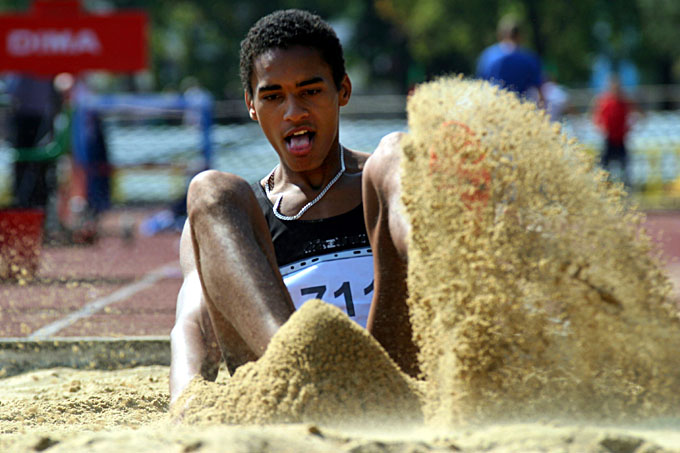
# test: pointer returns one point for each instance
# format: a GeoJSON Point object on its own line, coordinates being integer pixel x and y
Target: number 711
{"type": "Point", "coordinates": [344, 290]}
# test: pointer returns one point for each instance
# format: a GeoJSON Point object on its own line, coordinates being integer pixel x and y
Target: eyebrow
{"type": "Point", "coordinates": [311, 81]}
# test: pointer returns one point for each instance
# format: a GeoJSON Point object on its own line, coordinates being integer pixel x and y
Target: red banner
{"type": "Point", "coordinates": [57, 36]}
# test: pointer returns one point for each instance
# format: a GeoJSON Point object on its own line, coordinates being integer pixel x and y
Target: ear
{"type": "Point", "coordinates": [345, 91]}
{"type": "Point", "coordinates": [250, 105]}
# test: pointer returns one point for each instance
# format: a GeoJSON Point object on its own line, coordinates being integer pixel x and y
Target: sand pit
{"type": "Point", "coordinates": [542, 313]}
{"type": "Point", "coordinates": [42, 407]}
{"type": "Point", "coordinates": [125, 410]}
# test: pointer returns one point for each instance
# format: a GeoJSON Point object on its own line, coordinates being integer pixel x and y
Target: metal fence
{"type": "Point", "coordinates": [154, 158]}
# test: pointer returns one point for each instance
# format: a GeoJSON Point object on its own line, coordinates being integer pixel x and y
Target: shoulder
{"type": "Point", "coordinates": [387, 152]}
{"type": "Point", "coordinates": [492, 51]}
{"type": "Point", "coordinates": [384, 162]}
{"type": "Point", "coordinates": [486, 58]}
{"type": "Point", "coordinates": [604, 100]}
{"type": "Point", "coordinates": [355, 161]}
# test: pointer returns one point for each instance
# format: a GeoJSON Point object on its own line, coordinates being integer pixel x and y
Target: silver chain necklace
{"type": "Point", "coordinates": [275, 208]}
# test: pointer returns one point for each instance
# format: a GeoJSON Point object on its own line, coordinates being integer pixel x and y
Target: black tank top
{"type": "Point", "coordinates": [295, 240]}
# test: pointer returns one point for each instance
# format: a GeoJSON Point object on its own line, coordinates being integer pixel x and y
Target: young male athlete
{"type": "Point", "coordinates": [251, 254]}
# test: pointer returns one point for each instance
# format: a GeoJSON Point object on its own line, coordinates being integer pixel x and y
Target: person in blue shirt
{"type": "Point", "coordinates": [510, 65]}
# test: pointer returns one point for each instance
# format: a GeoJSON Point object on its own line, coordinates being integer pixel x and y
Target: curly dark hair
{"type": "Point", "coordinates": [285, 29]}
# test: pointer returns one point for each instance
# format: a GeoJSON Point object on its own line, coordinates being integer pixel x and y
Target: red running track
{"type": "Point", "coordinates": [113, 288]}
{"type": "Point", "coordinates": [118, 288]}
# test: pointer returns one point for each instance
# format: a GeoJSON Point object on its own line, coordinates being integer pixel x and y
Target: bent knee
{"type": "Point", "coordinates": [213, 192]}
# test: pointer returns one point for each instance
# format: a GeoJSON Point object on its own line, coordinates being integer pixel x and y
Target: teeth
{"type": "Point", "coordinates": [300, 133]}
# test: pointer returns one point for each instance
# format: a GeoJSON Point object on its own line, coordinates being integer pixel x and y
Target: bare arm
{"type": "Point", "coordinates": [194, 350]}
{"type": "Point", "coordinates": [387, 230]}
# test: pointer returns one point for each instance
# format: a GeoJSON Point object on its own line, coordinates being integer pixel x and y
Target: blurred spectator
{"type": "Point", "coordinates": [90, 151]}
{"type": "Point", "coordinates": [34, 104]}
{"type": "Point", "coordinates": [612, 114]}
{"type": "Point", "coordinates": [98, 170]}
{"type": "Point", "coordinates": [195, 97]}
{"type": "Point", "coordinates": [84, 191]}
{"type": "Point", "coordinates": [556, 98]}
{"type": "Point", "coordinates": [508, 64]}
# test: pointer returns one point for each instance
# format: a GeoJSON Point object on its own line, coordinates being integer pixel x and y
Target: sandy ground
{"type": "Point", "coordinates": [67, 410]}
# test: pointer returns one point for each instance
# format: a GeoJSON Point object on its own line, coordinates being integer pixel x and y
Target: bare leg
{"type": "Point", "coordinates": [246, 298]}
{"type": "Point", "coordinates": [387, 230]}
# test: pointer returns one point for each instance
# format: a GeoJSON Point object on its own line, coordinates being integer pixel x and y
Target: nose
{"type": "Point", "coordinates": [294, 109]}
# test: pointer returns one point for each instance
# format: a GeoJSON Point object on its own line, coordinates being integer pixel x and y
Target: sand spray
{"type": "Point", "coordinates": [533, 289]}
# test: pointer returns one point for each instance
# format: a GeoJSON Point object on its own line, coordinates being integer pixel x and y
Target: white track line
{"type": "Point", "coordinates": [93, 307]}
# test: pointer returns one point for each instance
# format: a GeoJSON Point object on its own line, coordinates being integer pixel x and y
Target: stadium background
{"type": "Point", "coordinates": [154, 152]}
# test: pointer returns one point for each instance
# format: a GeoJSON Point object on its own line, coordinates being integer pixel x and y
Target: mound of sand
{"type": "Point", "coordinates": [319, 367]}
{"type": "Point", "coordinates": [533, 290]}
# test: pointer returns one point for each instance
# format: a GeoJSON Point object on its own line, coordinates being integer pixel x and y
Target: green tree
{"type": "Point", "coordinates": [395, 43]}
{"type": "Point", "coordinates": [201, 38]}
{"type": "Point", "coordinates": [660, 33]}
{"type": "Point", "coordinates": [442, 36]}
{"type": "Point", "coordinates": [448, 36]}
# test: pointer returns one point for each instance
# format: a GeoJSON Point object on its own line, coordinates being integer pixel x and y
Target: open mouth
{"type": "Point", "coordinates": [299, 140]}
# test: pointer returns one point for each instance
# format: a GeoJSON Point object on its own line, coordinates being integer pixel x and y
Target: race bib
{"type": "Point", "coordinates": [343, 279]}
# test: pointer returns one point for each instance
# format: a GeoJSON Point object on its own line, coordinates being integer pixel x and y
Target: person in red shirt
{"type": "Point", "coordinates": [613, 116]}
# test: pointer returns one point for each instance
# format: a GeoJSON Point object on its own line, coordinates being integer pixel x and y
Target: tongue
{"type": "Point", "coordinates": [299, 141]}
